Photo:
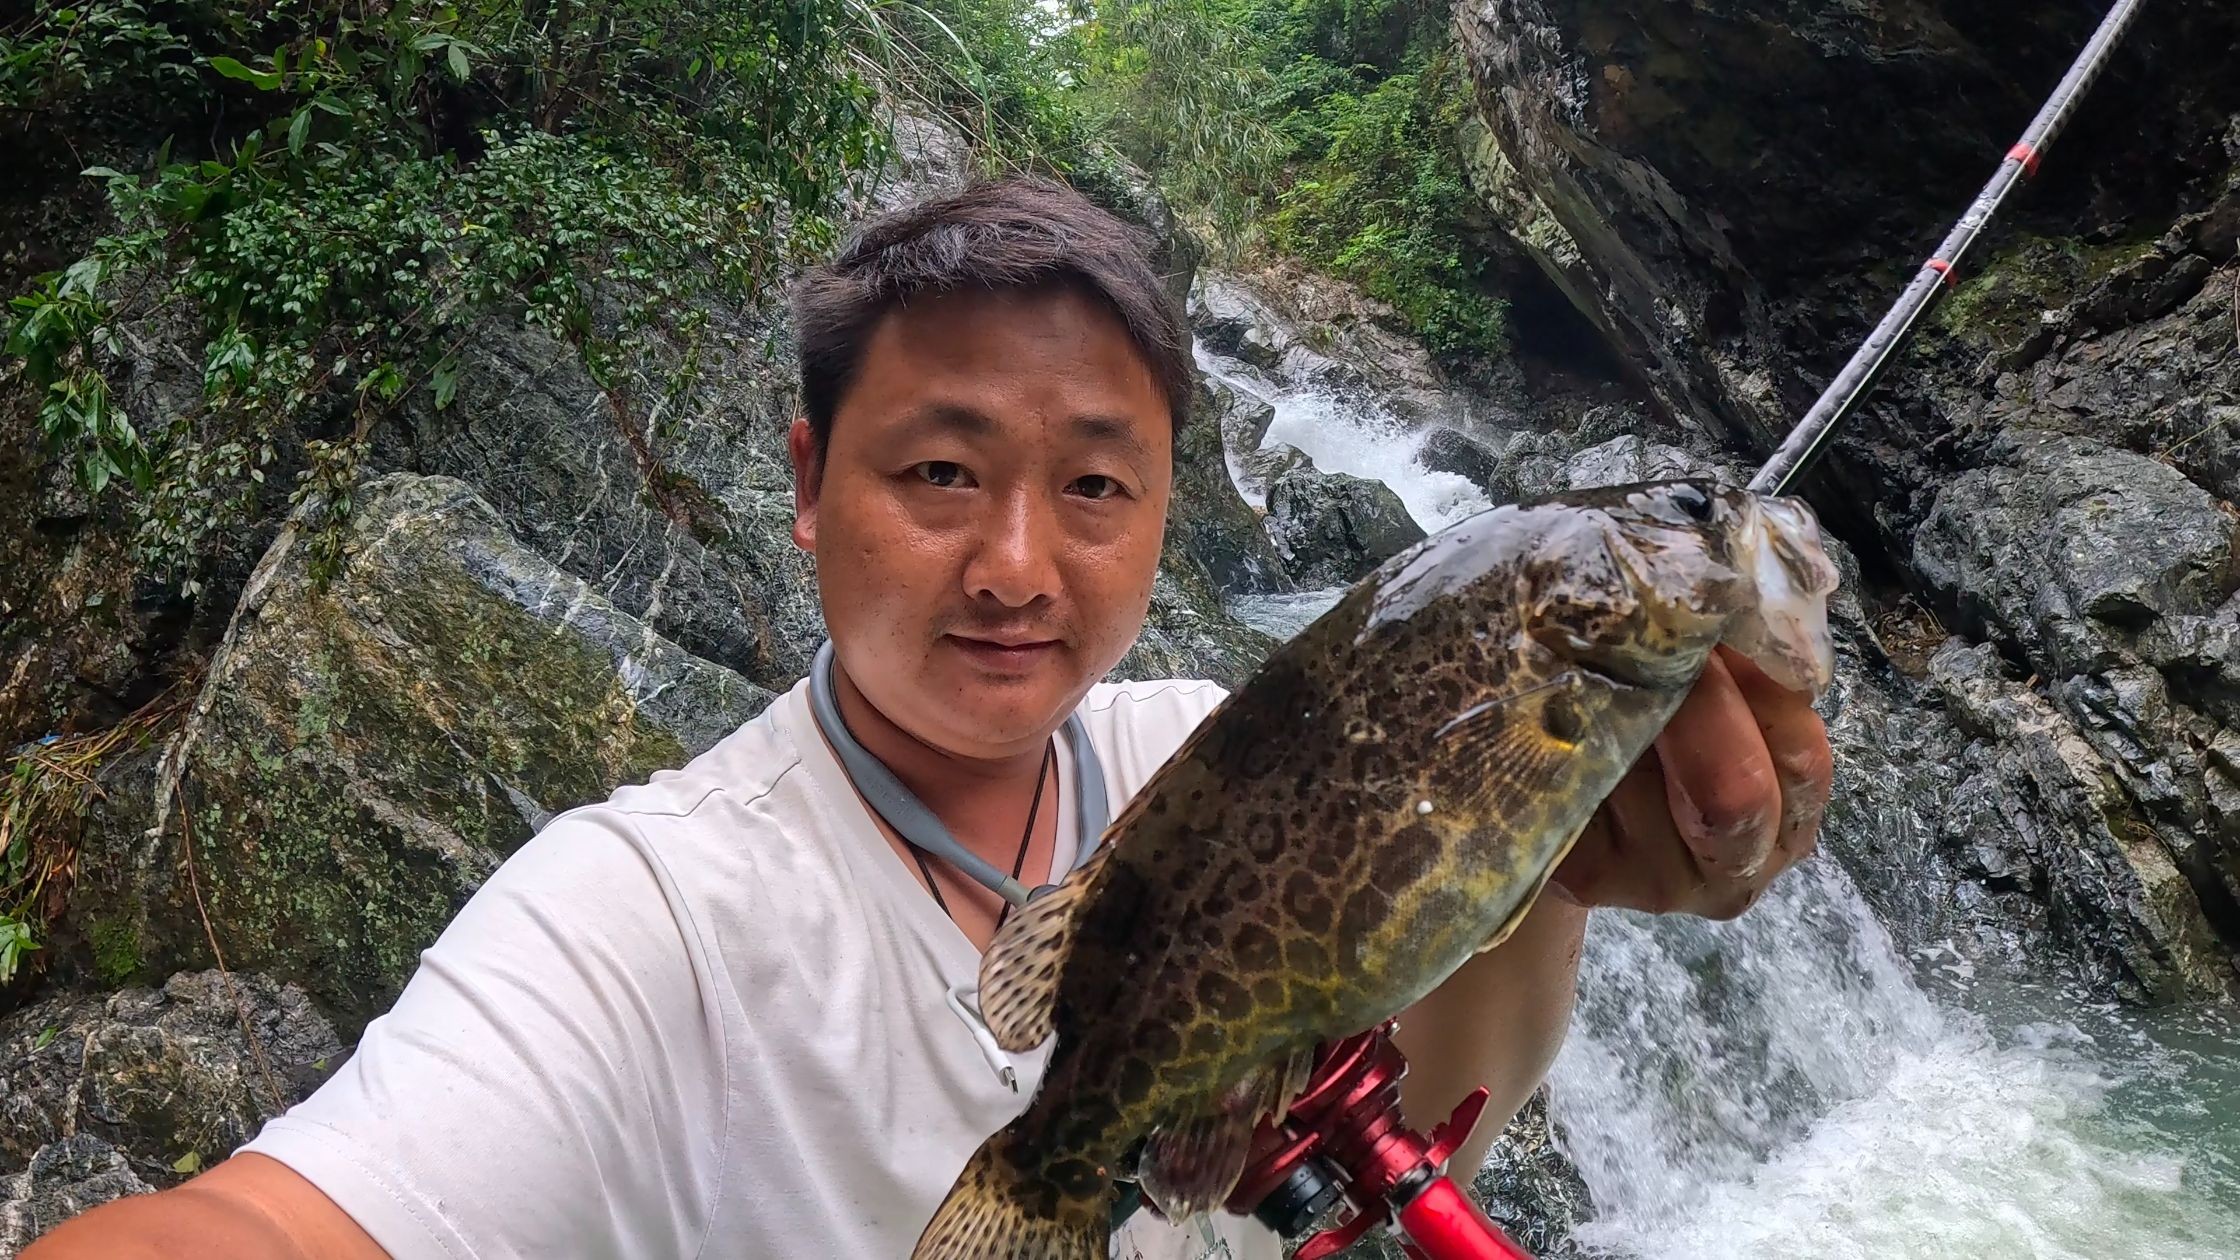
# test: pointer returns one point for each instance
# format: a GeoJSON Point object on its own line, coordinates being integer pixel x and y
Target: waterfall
{"type": "Point", "coordinates": [1789, 1086]}
{"type": "Point", "coordinates": [1348, 434]}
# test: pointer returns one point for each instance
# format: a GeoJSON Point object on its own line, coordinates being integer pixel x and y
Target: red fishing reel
{"type": "Point", "coordinates": [1344, 1140]}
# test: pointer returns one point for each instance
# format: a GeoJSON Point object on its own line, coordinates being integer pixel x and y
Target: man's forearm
{"type": "Point", "coordinates": [1497, 1022]}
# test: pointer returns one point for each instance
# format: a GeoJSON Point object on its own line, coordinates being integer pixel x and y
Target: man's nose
{"type": "Point", "coordinates": [1015, 562]}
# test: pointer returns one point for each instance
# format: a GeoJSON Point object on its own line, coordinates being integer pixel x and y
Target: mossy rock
{"type": "Point", "coordinates": [363, 754]}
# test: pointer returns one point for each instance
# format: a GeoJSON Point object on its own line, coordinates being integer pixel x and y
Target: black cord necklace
{"type": "Point", "coordinates": [1026, 838]}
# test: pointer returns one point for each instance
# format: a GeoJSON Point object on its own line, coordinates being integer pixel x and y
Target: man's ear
{"type": "Point", "coordinates": [808, 474]}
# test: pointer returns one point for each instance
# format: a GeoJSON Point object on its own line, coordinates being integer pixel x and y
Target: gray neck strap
{"type": "Point", "coordinates": [910, 818]}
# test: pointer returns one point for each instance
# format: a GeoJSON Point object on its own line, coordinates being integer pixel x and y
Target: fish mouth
{"type": "Point", "coordinates": [1786, 632]}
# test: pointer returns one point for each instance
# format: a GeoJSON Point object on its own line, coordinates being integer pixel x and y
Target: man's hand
{"type": "Point", "coordinates": [1729, 797]}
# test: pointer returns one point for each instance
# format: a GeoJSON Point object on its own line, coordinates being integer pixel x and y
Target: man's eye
{"type": "Point", "coordinates": [940, 472]}
{"type": "Point", "coordinates": [1096, 486]}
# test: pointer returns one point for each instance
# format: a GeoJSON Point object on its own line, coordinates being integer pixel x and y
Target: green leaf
{"type": "Point", "coordinates": [187, 1164]}
{"type": "Point", "coordinates": [232, 69]}
{"type": "Point", "coordinates": [458, 58]}
{"type": "Point", "coordinates": [447, 382]}
{"type": "Point", "coordinates": [299, 131]}
{"type": "Point", "coordinates": [46, 1037]}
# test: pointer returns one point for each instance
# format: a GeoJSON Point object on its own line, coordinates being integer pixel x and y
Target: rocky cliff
{"type": "Point", "coordinates": [1732, 191]}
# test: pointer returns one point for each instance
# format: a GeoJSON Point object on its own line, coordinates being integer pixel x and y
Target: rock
{"type": "Point", "coordinates": [1925, 831]}
{"type": "Point", "coordinates": [1630, 458]}
{"type": "Point", "coordinates": [362, 755]}
{"type": "Point", "coordinates": [1530, 1188]}
{"type": "Point", "coordinates": [2068, 548]}
{"type": "Point", "coordinates": [1452, 451]}
{"type": "Point", "coordinates": [63, 1179]}
{"type": "Point", "coordinates": [1231, 321]}
{"type": "Point", "coordinates": [182, 1073]}
{"type": "Point", "coordinates": [1262, 468]}
{"type": "Point", "coordinates": [1333, 528]}
{"type": "Point", "coordinates": [1206, 519]}
{"type": "Point", "coordinates": [684, 524]}
{"type": "Point", "coordinates": [1243, 419]}
{"type": "Point", "coordinates": [2106, 875]}
{"type": "Point", "coordinates": [1190, 634]}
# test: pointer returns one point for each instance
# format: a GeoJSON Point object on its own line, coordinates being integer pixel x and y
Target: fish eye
{"type": "Point", "coordinates": [1693, 501]}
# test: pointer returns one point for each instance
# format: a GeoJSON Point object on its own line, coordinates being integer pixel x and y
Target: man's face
{"type": "Point", "coordinates": [989, 515]}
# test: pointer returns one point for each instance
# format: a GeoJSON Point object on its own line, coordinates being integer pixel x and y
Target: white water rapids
{"type": "Point", "coordinates": [1785, 1086]}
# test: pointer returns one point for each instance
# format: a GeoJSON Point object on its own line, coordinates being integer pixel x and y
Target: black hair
{"type": "Point", "coordinates": [1022, 232]}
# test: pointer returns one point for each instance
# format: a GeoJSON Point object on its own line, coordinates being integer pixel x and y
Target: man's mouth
{"type": "Point", "coordinates": [1005, 651]}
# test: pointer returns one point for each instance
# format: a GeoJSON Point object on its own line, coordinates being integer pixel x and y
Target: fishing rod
{"type": "Point", "coordinates": [1941, 273]}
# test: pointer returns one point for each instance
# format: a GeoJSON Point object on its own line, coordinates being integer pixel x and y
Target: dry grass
{"type": "Point", "coordinates": [43, 800]}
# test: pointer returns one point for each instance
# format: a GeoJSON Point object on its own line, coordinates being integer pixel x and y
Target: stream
{"type": "Point", "coordinates": [1799, 1085]}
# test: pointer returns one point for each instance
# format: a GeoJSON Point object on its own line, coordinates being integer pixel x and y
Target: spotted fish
{"type": "Point", "coordinates": [1385, 798]}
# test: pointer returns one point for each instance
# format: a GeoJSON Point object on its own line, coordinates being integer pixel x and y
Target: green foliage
{"type": "Point", "coordinates": [1326, 127]}
{"type": "Point", "coordinates": [1183, 87]}
{"type": "Point", "coordinates": [15, 941]}
{"type": "Point", "coordinates": [53, 56]}
{"type": "Point", "coordinates": [395, 175]}
{"type": "Point", "coordinates": [1386, 205]}
{"type": "Point", "coordinates": [58, 325]}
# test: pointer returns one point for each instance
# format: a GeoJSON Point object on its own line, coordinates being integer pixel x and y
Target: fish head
{"type": "Point", "coordinates": [1639, 583]}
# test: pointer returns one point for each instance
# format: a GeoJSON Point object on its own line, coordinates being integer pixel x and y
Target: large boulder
{"type": "Point", "coordinates": [1334, 528]}
{"type": "Point", "coordinates": [2114, 577]}
{"type": "Point", "coordinates": [2067, 548]}
{"type": "Point", "coordinates": [174, 1078]}
{"type": "Point", "coordinates": [64, 1178]}
{"type": "Point", "coordinates": [366, 749]}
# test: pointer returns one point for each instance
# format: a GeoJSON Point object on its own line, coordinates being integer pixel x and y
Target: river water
{"type": "Point", "coordinates": [1796, 1086]}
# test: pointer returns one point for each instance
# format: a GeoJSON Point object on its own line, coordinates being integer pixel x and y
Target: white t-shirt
{"type": "Point", "coordinates": [716, 1016]}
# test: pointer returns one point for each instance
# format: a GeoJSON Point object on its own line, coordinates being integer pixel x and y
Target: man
{"type": "Point", "coordinates": [729, 1013]}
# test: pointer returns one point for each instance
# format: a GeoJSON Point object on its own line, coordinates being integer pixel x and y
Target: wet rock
{"type": "Point", "coordinates": [1452, 451]}
{"type": "Point", "coordinates": [1630, 458]}
{"type": "Point", "coordinates": [2107, 877]}
{"type": "Point", "coordinates": [174, 1078]}
{"type": "Point", "coordinates": [2068, 547]}
{"type": "Point", "coordinates": [1333, 528]}
{"type": "Point", "coordinates": [1243, 419]}
{"type": "Point", "coordinates": [1260, 469]}
{"type": "Point", "coordinates": [1924, 832]}
{"type": "Point", "coordinates": [63, 1179]}
{"type": "Point", "coordinates": [1207, 519]}
{"type": "Point", "coordinates": [1530, 1188]}
{"type": "Point", "coordinates": [362, 754]}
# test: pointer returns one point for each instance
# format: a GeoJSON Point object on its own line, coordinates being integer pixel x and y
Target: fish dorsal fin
{"type": "Point", "coordinates": [1019, 976]}
{"type": "Point", "coordinates": [1191, 1165]}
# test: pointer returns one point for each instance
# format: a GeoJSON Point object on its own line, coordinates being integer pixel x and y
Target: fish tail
{"type": "Point", "coordinates": [1000, 1210]}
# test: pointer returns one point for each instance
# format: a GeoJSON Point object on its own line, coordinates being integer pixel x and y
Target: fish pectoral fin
{"type": "Point", "coordinates": [1190, 1166]}
{"type": "Point", "coordinates": [1504, 744]}
{"type": "Point", "coordinates": [1019, 976]}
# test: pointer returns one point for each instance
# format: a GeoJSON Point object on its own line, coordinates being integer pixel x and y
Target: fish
{"type": "Point", "coordinates": [1382, 800]}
